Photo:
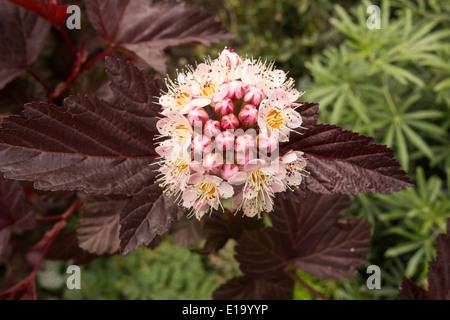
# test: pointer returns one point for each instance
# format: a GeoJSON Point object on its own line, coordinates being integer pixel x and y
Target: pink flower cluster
{"type": "Point", "coordinates": [221, 127]}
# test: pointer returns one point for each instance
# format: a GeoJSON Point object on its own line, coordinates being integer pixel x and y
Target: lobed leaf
{"type": "Point", "coordinates": [14, 211]}
{"type": "Point", "coordinates": [66, 247]}
{"type": "Point", "coordinates": [346, 162]}
{"type": "Point", "coordinates": [22, 36]}
{"type": "Point", "coordinates": [88, 145]}
{"type": "Point", "coordinates": [99, 148]}
{"type": "Point", "coordinates": [145, 29]}
{"type": "Point", "coordinates": [147, 216]}
{"type": "Point", "coordinates": [98, 229]}
{"type": "Point", "coordinates": [311, 236]}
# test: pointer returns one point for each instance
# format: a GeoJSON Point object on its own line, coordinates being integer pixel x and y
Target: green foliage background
{"type": "Point", "coordinates": [392, 84]}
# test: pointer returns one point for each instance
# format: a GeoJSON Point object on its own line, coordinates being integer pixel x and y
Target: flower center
{"type": "Point", "coordinates": [182, 99]}
{"type": "Point", "coordinates": [258, 180]}
{"type": "Point", "coordinates": [275, 119]}
{"type": "Point", "coordinates": [181, 166]}
{"type": "Point", "coordinates": [208, 89]}
{"type": "Point", "coordinates": [208, 189]}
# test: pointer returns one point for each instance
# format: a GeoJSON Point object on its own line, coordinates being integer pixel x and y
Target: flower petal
{"type": "Point", "coordinates": [238, 178]}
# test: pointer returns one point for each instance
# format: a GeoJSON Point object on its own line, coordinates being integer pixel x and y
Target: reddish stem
{"type": "Point", "coordinates": [52, 234]}
{"type": "Point", "coordinates": [40, 80]}
{"type": "Point", "coordinates": [95, 59]}
{"type": "Point", "coordinates": [47, 219]}
{"type": "Point", "coordinates": [76, 72]}
{"type": "Point", "coordinates": [68, 40]}
{"type": "Point", "coordinates": [299, 280]}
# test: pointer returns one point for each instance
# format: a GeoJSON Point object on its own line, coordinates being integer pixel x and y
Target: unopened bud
{"type": "Point", "coordinates": [224, 107]}
{"type": "Point", "coordinates": [197, 115]}
{"type": "Point", "coordinates": [213, 163]}
{"type": "Point", "coordinates": [202, 144]}
{"type": "Point", "coordinates": [235, 90]}
{"type": "Point", "coordinates": [225, 140]}
{"type": "Point", "coordinates": [253, 96]}
{"type": "Point", "coordinates": [267, 141]}
{"type": "Point", "coordinates": [248, 115]}
{"type": "Point", "coordinates": [229, 170]}
{"type": "Point", "coordinates": [230, 122]}
{"type": "Point", "coordinates": [212, 128]}
{"type": "Point", "coordinates": [244, 143]}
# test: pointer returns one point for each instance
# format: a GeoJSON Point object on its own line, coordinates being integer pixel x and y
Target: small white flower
{"type": "Point", "coordinates": [204, 193]}
{"type": "Point", "coordinates": [276, 115]}
{"type": "Point", "coordinates": [174, 176]}
{"type": "Point", "coordinates": [177, 128]}
{"type": "Point", "coordinates": [295, 165]}
{"type": "Point", "coordinates": [261, 181]}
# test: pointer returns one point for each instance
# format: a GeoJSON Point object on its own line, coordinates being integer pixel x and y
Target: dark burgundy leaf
{"type": "Point", "coordinates": [65, 247]}
{"type": "Point", "coordinates": [50, 10]}
{"type": "Point", "coordinates": [310, 235]}
{"type": "Point", "coordinates": [136, 90]}
{"type": "Point", "coordinates": [410, 291]}
{"type": "Point", "coordinates": [345, 162]}
{"type": "Point", "coordinates": [439, 270]}
{"type": "Point", "coordinates": [18, 92]}
{"type": "Point", "coordinates": [14, 212]}
{"type": "Point", "coordinates": [147, 215]}
{"type": "Point", "coordinates": [146, 29]}
{"type": "Point", "coordinates": [245, 288]}
{"type": "Point", "coordinates": [24, 290]}
{"type": "Point", "coordinates": [88, 145]}
{"type": "Point", "coordinates": [4, 240]}
{"type": "Point", "coordinates": [187, 232]}
{"type": "Point", "coordinates": [22, 36]}
{"type": "Point", "coordinates": [310, 113]}
{"type": "Point", "coordinates": [220, 227]}
{"type": "Point", "coordinates": [98, 229]}
{"type": "Point", "coordinates": [94, 81]}
{"type": "Point", "coordinates": [438, 275]}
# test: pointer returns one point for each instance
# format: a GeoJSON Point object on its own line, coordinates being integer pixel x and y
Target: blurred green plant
{"type": "Point", "coordinates": [169, 272]}
{"type": "Point", "coordinates": [384, 82]}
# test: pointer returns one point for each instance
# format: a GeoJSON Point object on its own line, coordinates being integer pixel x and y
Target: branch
{"type": "Point", "coordinates": [52, 234]}
{"type": "Point", "coordinates": [40, 80]}
{"type": "Point", "coordinates": [76, 72]}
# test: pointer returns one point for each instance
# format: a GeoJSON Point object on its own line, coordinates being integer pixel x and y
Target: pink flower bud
{"type": "Point", "coordinates": [244, 143]}
{"type": "Point", "coordinates": [243, 158]}
{"type": "Point", "coordinates": [225, 140]}
{"type": "Point", "coordinates": [213, 163]}
{"type": "Point", "coordinates": [230, 122]}
{"type": "Point", "coordinates": [212, 128]}
{"type": "Point", "coordinates": [268, 141]}
{"type": "Point", "coordinates": [229, 170]}
{"type": "Point", "coordinates": [249, 115]}
{"type": "Point", "coordinates": [202, 144]}
{"type": "Point", "coordinates": [230, 58]}
{"type": "Point", "coordinates": [253, 96]}
{"type": "Point", "coordinates": [197, 116]}
{"type": "Point", "coordinates": [235, 90]}
{"type": "Point", "coordinates": [224, 107]}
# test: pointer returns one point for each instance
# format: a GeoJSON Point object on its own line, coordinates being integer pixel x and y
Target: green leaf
{"type": "Point", "coordinates": [414, 262]}
{"type": "Point", "coordinates": [417, 141]}
{"type": "Point", "coordinates": [402, 75]}
{"type": "Point", "coordinates": [402, 148]}
{"type": "Point", "coordinates": [401, 249]}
